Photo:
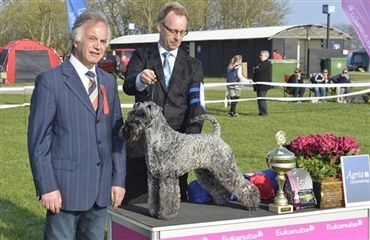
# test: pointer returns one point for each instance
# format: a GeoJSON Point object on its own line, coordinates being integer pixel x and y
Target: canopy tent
{"type": "Point", "coordinates": [24, 59]}
{"type": "Point", "coordinates": [360, 59]}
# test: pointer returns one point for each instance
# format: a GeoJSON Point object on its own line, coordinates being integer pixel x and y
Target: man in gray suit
{"type": "Point", "coordinates": [168, 76]}
{"type": "Point", "coordinates": [76, 156]}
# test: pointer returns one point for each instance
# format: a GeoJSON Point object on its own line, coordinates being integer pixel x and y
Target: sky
{"type": "Point", "coordinates": [310, 12]}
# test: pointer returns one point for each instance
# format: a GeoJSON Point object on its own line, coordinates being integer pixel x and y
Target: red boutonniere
{"type": "Point", "coordinates": [105, 100]}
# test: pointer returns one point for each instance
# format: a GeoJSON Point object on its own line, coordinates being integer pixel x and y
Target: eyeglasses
{"type": "Point", "coordinates": [296, 72]}
{"type": "Point", "coordinates": [325, 72]}
{"type": "Point", "coordinates": [175, 32]}
{"type": "Point", "coordinates": [345, 72]}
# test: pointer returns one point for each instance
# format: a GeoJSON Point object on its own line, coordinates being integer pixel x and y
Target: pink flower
{"type": "Point", "coordinates": [320, 154]}
{"type": "Point", "coordinates": [326, 146]}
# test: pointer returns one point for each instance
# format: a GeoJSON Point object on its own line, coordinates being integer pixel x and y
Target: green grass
{"type": "Point", "coordinates": [251, 137]}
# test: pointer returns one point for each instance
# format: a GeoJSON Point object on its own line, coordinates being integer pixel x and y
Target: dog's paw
{"type": "Point", "coordinates": [153, 213]}
{"type": "Point", "coordinates": [252, 208]}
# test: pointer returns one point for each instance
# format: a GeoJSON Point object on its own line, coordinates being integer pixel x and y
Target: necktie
{"type": "Point", "coordinates": [166, 68]}
{"type": "Point", "coordinates": [93, 90]}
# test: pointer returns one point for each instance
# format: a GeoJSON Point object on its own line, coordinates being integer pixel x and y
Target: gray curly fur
{"type": "Point", "coordinates": [170, 154]}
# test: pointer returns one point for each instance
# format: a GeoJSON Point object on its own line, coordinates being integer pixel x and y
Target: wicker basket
{"type": "Point", "coordinates": [329, 193]}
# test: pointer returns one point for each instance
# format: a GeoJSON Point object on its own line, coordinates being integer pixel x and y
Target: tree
{"type": "Point", "coordinates": [46, 20]}
{"type": "Point", "coordinates": [203, 14]}
{"type": "Point", "coordinates": [355, 42]}
{"type": "Point", "coordinates": [248, 13]}
{"type": "Point", "coordinates": [42, 20]}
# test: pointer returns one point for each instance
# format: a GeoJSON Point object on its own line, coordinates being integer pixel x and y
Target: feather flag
{"type": "Point", "coordinates": [358, 13]}
{"type": "Point", "coordinates": [75, 8]}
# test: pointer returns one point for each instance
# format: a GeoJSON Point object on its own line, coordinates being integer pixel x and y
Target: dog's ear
{"type": "Point", "coordinates": [154, 109]}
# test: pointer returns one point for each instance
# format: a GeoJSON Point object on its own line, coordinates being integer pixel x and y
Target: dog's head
{"type": "Point", "coordinates": [140, 117]}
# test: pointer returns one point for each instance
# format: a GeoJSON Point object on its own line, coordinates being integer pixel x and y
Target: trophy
{"type": "Point", "coordinates": [281, 160]}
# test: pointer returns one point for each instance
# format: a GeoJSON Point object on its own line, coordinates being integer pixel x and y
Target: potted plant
{"type": "Point", "coordinates": [320, 155]}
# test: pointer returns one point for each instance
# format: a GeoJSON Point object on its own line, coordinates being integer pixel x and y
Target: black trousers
{"type": "Point", "coordinates": [137, 182]}
{"type": "Point", "coordinates": [262, 105]}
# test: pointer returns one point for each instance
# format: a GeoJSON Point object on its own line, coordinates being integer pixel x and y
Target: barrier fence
{"type": "Point", "coordinates": [28, 89]}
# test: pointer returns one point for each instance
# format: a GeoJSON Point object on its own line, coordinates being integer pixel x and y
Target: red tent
{"type": "Point", "coordinates": [24, 59]}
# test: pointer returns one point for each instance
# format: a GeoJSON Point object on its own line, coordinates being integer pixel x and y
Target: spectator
{"type": "Point", "coordinates": [234, 74]}
{"type": "Point", "coordinates": [320, 78]}
{"type": "Point", "coordinates": [76, 156]}
{"type": "Point", "coordinates": [296, 78]}
{"type": "Point", "coordinates": [342, 78]}
{"type": "Point", "coordinates": [276, 55]}
{"type": "Point", "coordinates": [262, 73]}
{"type": "Point", "coordinates": [118, 65]}
{"type": "Point", "coordinates": [175, 84]}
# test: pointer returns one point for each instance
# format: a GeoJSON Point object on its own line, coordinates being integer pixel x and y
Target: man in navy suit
{"type": "Point", "coordinates": [174, 82]}
{"type": "Point", "coordinates": [76, 156]}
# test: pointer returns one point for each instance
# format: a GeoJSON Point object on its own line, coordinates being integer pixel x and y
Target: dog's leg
{"type": "Point", "coordinates": [246, 192]}
{"type": "Point", "coordinates": [169, 198]}
{"type": "Point", "coordinates": [213, 186]}
{"type": "Point", "coordinates": [153, 196]}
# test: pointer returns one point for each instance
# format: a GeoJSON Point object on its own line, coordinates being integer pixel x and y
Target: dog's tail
{"type": "Point", "coordinates": [216, 125]}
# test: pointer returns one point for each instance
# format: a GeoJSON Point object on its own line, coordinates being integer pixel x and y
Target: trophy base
{"type": "Point", "coordinates": [280, 209]}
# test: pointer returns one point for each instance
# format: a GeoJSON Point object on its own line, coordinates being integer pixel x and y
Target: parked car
{"type": "Point", "coordinates": [106, 63]}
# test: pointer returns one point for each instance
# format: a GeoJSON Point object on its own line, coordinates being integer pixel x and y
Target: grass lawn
{"type": "Point", "coordinates": [250, 136]}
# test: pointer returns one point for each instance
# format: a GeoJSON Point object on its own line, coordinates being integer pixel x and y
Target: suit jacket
{"type": "Point", "coordinates": [71, 146]}
{"type": "Point", "coordinates": [181, 102]}
{"type": "Point", "coordinates": [262, 73]}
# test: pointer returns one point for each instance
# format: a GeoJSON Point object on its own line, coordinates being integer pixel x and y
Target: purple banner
{"type": "Point", "coordinates": [358, 13]}
{"type": "Point", "coordinates": [357, 228]}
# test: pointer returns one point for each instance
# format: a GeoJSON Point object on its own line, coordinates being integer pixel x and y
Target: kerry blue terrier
{"type": "Point", "coordinates": [170, 154]}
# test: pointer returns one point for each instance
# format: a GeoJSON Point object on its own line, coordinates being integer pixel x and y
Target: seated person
{"type": "Point", "coordinates": [296, 78]}
{"type": "Point", "coordinates": [320, 78]}
{"type": "Point", "coordinates": [342, 78]}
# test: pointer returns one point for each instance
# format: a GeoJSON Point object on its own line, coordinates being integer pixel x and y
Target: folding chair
{"type": "Point", "coordinates": [286, 90]}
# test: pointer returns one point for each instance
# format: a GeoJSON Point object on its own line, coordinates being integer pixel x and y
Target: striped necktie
{"type": "Point", "coordinates": [166, 68]}
{"type": "Point", "coordinates": [93, 90]}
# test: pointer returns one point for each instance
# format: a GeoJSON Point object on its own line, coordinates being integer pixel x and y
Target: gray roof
{"type": "Point", "coordinates": [294, 31]}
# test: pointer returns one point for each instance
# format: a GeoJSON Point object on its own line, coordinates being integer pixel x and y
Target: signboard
{"type": "Point", "coordinates": [356, 180]}
{"type": "Point", "coordinates": [326, 9]}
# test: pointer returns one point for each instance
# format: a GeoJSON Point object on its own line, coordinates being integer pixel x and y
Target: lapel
{"type": "Point", "coordinates": [155, 59]}
{"type": "Point", "coordinates": [178, 69]}
{"type": "Point", "coordinates": [74, 83]}
{"type": "Point", "coordinates": [102, 81]}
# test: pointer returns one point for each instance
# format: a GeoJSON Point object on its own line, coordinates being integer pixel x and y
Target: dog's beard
{"type": "Point", "coordinates": [130, 132]}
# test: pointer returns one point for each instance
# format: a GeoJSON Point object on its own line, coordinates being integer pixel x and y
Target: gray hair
{"type": "Point", "coordinates": [179, 9]}
{"type": "Point", "coordinates": [265, 53]}
{"type": "Point", "coordinates": [89, 14]}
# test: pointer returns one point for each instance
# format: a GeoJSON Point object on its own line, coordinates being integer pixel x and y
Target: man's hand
{"type": "Point", "coordinates": [148, 77]}
{"type": "Point", "coordinates": [52, 201]}
{"type": "Point", "coordinates": [118, 193]}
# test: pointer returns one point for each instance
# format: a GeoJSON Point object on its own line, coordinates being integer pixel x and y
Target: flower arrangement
{"type": "Point", "coordinates": [320, 154]}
